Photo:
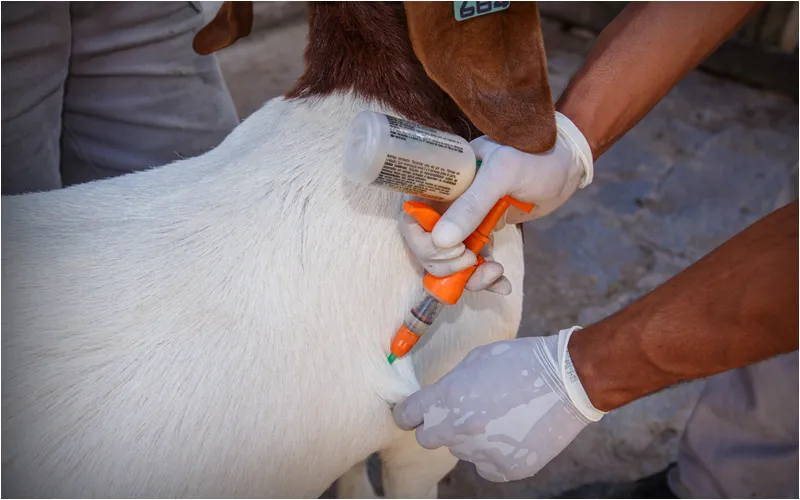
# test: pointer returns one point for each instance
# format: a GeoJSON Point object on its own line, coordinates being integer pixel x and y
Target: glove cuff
{"type": "Point", "coordinates": [569, 376]}
{"type": "Point", "coordinates": [581, 146]}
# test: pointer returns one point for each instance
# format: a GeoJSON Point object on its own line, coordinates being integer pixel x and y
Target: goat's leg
{"type": "Point", "coordinates": [411, 471]}
{"type": "Point", "coordinates": [355, 483]}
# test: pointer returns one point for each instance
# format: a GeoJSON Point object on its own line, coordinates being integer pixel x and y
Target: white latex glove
{"type": "Point", "coordinates": [548, 180]}
{"type": "Point", "coordinates": [508, 407]}
{"type": "Point", "coordinates": [489, 276]}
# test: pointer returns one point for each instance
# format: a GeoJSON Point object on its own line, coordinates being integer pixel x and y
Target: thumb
{"type": "Point", "coordinates": [467, 212]}
{"type": "Point", "coordinates": [410, 413]}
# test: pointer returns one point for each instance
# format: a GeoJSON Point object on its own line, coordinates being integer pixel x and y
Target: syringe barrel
{"type": "Point", "coordinates": [417, 322]}
{"type": "Point", "coordinates": [423, 314]}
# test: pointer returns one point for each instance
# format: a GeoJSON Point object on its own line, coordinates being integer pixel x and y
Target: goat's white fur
{"type": "Point", "coordinates": [218, 326]}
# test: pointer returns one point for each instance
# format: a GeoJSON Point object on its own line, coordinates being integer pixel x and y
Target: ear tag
{"type": "Point", "coordinates": [468, 10]}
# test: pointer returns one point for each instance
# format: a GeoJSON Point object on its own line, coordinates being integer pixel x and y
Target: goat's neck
{"type": "Point", "coordinates": [364, 47]}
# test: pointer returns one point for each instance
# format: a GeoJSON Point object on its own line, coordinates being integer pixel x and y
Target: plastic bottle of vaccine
{"type": "Point", "coordinates": [392, 153]}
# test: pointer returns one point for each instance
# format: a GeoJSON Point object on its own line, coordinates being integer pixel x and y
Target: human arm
{"type": "Point", "coordinates": [644, 52]}
{"type": "Point", "coordinates": [736, 306]}
{"type": "Point", "coordinates": [510, 407]}
{"type": "Point", "coordinates": [635, 61]}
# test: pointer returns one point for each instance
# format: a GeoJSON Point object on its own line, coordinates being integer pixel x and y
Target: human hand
{"type": "Point", "coordinates": [547, 180]}
{"type": "Point", "coordinates": [444, 262]}
{"type": "Point", "coordinates": [508, 407]}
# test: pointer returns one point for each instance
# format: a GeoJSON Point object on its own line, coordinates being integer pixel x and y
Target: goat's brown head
{"type": "Point", "coordinates": [486, 73]}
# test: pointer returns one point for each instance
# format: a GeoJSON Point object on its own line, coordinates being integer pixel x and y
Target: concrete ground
{"type": "Point", "coordinates": [713, 157]}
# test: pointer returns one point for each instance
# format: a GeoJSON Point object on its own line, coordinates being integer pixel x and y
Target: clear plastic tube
{"type": "Point", "coordinates": [417, 322]}
{"type": "Point", "coordinates": [423, 314]}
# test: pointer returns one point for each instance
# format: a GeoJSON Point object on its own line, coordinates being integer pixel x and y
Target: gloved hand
{"type": "Point", "coordinates": [488, 276]}
{"type": "Point", "coordinates": [508, 407]}
{"type": "Point", "coordinates": [547, 180]}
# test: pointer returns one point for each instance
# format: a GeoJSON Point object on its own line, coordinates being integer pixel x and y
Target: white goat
{"type": "Point", "coordinates": [218, 327]}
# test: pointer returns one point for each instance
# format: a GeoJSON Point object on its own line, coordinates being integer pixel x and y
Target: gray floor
{"type": "Point", "coordinates": [710, 159]}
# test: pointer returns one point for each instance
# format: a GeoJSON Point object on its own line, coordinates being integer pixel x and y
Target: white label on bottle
{"type": "Point", "coordinates": [415, 177]}
{"type": "Point", "coordinates": [406, 130]}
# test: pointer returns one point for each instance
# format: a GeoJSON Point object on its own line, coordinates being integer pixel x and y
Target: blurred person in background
{"type": "Point", "coordinates": [93, 90]}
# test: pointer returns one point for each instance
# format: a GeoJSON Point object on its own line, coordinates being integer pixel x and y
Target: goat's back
{"type": "Point", "coordinates": [217, 326]}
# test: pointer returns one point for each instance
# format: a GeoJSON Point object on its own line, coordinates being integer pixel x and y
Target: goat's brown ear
{"type": "Point", "coordinates": [233, 21]}
{"type": "Point", "coordinates": [492, 65]}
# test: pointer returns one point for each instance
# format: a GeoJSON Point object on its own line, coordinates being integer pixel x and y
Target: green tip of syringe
{"type": "Point", "coordinates": [391, 358]}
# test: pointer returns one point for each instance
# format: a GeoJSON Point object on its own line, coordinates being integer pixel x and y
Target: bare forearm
{"type": "Point", "coordinates": [736, 306]}
{"type": "Point", "coordinates": [639, 57]}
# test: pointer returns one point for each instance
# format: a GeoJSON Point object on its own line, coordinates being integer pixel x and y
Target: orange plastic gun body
{"type": "Point", "coordinates": [448, 289]}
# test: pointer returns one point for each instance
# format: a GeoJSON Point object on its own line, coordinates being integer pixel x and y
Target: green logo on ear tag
{"type": "Point", "coordinates": [468, 10]}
